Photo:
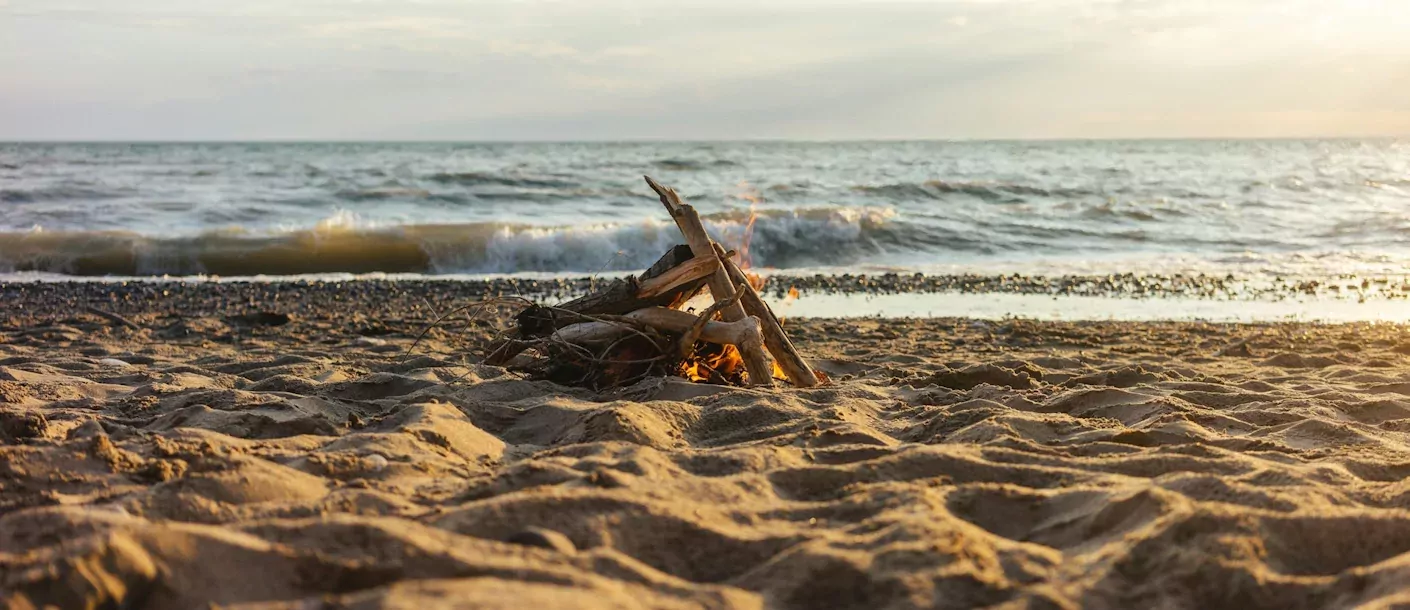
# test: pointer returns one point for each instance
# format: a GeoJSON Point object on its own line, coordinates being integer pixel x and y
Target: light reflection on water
{"type": "Point", "coordinates": [1043, 307]}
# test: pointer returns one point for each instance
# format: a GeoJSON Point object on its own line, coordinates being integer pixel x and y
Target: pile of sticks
{"type": "Point", "coordinates": [635, 327]}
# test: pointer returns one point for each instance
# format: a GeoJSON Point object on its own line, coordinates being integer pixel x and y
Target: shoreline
{"type": "Point", "coordinates": [1115, 297]}
{"type": "Point", "coordinates": [779, 283]}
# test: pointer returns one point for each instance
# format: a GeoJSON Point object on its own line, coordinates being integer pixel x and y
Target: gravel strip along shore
{"type": "Point", "coordinates": [416, 295]}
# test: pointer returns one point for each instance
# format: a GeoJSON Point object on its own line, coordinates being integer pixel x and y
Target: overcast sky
{"type": "Point", "coordinates": [725, 69]}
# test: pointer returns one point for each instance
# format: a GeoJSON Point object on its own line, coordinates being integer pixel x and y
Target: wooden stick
{"type": "Point", "coordinates": [673, 321]}
{"type": "Point", "coordinates": [618, 297]}
{"type": "Point", "coordinates": [686, 345]}
{"type": "Point", "coordinates": [721, 288]}
{"type": "Point", "coordinates": [793, 365]}
{"type": "Point", "coordinates": [695, 269]}
{"type": "Point", "coordinates": [112, 317]}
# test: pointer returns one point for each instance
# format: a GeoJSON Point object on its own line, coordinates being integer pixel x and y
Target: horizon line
{"type": "Point", "coordinates": [698, 140]}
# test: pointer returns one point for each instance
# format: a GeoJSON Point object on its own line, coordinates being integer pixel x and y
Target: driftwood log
{"type": "Point", "coordinates": [683, 280]}
{"type": "Point", "coordinates": [670, 281]}
{"type": "Point", "coordinates": [610, 329]}
{"type": "Point", "coordinates": [740, 333]}
{"type": "Point", "coordinates": [721, 287]}
{"type": "Point", "coordinates": [793, 365]}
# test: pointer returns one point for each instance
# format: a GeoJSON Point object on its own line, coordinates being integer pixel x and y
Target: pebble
{"type": "Point", "coordinates": [376, 463]}
{"type": "Point", "coordinates": [114, 362]}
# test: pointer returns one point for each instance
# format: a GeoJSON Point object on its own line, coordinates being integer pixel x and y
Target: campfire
{"type": "Point", "coordinates": [637, 327]}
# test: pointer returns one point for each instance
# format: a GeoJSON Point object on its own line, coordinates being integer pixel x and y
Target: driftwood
{"type": "Point", "coordinates": [793, 365]}
{"type": "Point", "coordinates": [603, 330]}
{"type": "Point", "coordinates": [672, 280]}
{"type": "Point", "coordinates": [690, 274]}
{"type": "Point", "coordinates": [674, 321]}
{"type": "Point", "coordinates": [721, 288]}
{"type": "Point", "coordinates": [633, 327]}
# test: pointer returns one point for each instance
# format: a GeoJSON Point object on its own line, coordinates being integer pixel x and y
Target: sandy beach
{"type": "Point", "coordinates": [263, 448]}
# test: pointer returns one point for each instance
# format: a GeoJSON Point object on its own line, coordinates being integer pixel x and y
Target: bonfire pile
{"type": "Point", "coordinates": [636, 327]}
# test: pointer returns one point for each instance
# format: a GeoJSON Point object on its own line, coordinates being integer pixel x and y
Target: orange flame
{"type": "Point", "coordinates": [751, 195]}
{"type": "Point", "coordinates": [724, 367]}
{"type": "Point", "coordinates": [745, 260]}
{"type": "Point", "coordinates": [755, 280]}
{"type": "Point", "coordinates": [723, 363]}
{"type": "Point", "coordinates": [714, 364]}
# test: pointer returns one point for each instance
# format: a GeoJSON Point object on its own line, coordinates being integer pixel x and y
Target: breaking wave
{"type": "Point", "coordinates": [782, 239]}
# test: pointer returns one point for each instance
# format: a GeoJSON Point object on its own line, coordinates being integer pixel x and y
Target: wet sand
{"type": "Point", "coordinates": [263, 447]}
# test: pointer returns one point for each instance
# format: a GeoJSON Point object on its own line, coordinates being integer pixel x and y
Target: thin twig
{"type": "Point", "coordinates": [616, 255]}
{"type": "Point", "coordinates": [483, 303]}
{"type": "Point", "coordinates": [112, 317]}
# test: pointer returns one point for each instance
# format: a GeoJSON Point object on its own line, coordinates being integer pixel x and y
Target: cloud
{"type": "Point", "coordinates": [408, 26]}
{"type": "Point", "coordinates": [618, 68]}
{"type": "Point", "coordinates": [546, 48]}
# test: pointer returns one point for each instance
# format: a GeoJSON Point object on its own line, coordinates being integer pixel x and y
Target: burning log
{"type": "Point", "coordinates": [633, 327]}
{"type": "Point", "coordinates": [793, 365]}
{"type": "Point", "coordinates": [721, 288]}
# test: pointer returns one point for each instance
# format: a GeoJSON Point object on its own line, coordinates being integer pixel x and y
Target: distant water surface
{"type": "Point", "coordinates": [1247, 207]}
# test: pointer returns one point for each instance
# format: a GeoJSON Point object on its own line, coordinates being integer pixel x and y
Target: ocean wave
{"type": "Point", "coordinates": [56, 193]}
{"type": "Point", "coordinates": [489, 179]}
{"type": "Point", "coordinates": [342, 244]}
{"type": "Point", "coordinates": [381, 193]}
{"type": "Point", "coordinates": [677, 164]}
{"type": "Point", "coordinates": [1129, 211]}
{"type": "Point", "coordinates": [1004, 192]}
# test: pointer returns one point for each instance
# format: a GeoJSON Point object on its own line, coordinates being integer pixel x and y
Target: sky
{"type": "Point", "coordinates": [725, 69]}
